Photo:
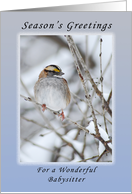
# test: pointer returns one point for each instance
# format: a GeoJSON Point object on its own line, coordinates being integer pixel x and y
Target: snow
{"type": "Point", "coordinates": [103, 134]}
{"type": "Point", "coordinates": [77, 145]}
{"type": "Point", "coordinates": [41, 154]}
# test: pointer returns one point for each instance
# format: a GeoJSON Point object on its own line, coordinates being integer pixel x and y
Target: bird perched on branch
{"type": "Point", "coordinates": [51, 90]}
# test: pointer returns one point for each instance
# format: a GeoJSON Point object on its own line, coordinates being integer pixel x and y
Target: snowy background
{"type": "Point", "coordinates": [66, 143]}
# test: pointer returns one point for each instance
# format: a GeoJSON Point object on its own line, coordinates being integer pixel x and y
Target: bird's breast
{"type": "Point", "coordinates": [52, 92]}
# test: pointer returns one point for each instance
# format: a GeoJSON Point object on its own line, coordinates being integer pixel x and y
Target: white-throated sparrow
{"type": "Point", "coordinates": [51, 90]}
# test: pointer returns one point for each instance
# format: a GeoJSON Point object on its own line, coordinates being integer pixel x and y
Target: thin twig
{"type": "Point", "coordinates": [101, 155]}
{"type": "Point", "coordinates": [78, 133]}
{"type": "Point", "coordinates": [103, 142]}
{"type": "Point", "coordinates": [55, 112]}
{"type": "Point", "coordinates": [88, 158]}
{"type": "Point", "coordinates": [101, 80]}
{"type": "Point", "coordinates": [83, 128]}
{"type": "Point", "coordinates": [102, 115]}
{"type": "Point", "coordinates": [94, 109]}
{"type": "Point", "coordinates": [84, 144]}
{"type": "Point", "coordinates": [77, 57]}
{"type": "Point", "coordinates": [25, 87]}
{"type": "Point", "coordinates": [110, 95]}
{"type": "Point", "coordinates": [43, 126]}
{"type": "Point", "coordinates": [86, 55]}
{"type": "Point", "coordinates": [78, 106]}
{"type": "Point", "coordinates": [78, 60]}
{"type": "Point", "coordinates": [30, 120]}
{"type": "Point", "coordinates": [31, 100]}
{"type": "Point", "coordinates": [75, 123]}
{"type": "Point", "coordinates": [106, 67]}
{"type": "Point", "coordinates": [74, 51]}
{"type": "Point", "coordinates": [82, 100]}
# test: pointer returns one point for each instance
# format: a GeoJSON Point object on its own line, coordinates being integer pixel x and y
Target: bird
{"type": "Point", "coordinates": [51, 90]}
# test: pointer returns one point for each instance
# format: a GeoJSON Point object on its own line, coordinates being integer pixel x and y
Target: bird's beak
{"type": "Point", "coordinates": [61, 73]}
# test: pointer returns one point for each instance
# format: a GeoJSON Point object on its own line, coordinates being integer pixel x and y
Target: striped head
{"type": "Point", "coordinates": [50, 71]}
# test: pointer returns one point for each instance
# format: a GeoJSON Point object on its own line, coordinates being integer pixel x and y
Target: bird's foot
{"type": "Point", "coordinates": [43, 107]}
{"type": "Point", "coordinates": [61, 115]}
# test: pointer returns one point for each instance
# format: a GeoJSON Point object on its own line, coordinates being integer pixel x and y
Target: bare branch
{"type": "Point", "coordinates": [82, 100]}
{"type": "Point", "coordinates": [94, 109]}
{"type": "Point", "coordinates": [88, 158]}
{"type": "Point", "coordinates": [86, 55]}
{"type": "Point", "coordinates": [110, 95]}
{"type": "Point", "coordinates": [74, 52]}
{"type": "Point", "coordinates": [84, 145]}
{"type": "Point", "coordinates": [101, 155]}
{"type": "Point", "coordinates": [77, 57]}
{"type": "Point", "coordinates": [103, 142]}
{"type": "Point", "coordinates": [102, 115]}
{"type": "Point", "coordinates": [101, 80]}
{"type": "Point", "coordinates": [83, 128]}
{"type": "Point", "coordinates": [75, 123]}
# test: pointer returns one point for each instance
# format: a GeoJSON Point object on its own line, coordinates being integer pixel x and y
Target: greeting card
{"type": "Point", "coordinates": [66, 101]}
